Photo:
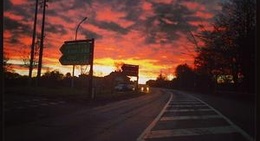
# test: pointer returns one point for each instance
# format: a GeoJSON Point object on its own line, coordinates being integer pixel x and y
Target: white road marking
{"type": "Point", "coordinates": [188, 110]}
{"type": "Point", "coordinates": [149, 128]}
{"type": "Point", "coordinates": [232, 128]}
{"type": "Point", "coordinates": [191, 132]}
{"type": "Point", "coordinates": [189, 117]}
{"type": "Point", "coordinates": [184, 101]}
{"type": "Point", "coordinates": [195, 102]}
{"type": "Point", "coordinates": [177, 106]}
{"type": "Point", "coordinates": [241, 131]}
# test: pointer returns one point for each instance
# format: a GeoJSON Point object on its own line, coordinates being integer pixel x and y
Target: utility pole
{"type": "Point", "coordinates": [33, 43]}
{"type": "Point", "coordinates": [73, 69]}
{"type": "Point", "coordinates": [41, 44]}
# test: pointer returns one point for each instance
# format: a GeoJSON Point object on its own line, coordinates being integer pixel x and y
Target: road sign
{"type": "Point", "coordinates": [76, 52]}
{"type": "Point", "coordinates": [75, 47]}
{"type": "Point", "coordinates": [130, 70]}
{"type": "Point", "coordinates": [72, 59]}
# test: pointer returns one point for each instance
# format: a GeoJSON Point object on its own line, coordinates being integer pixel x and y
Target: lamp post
{"type": "Point", "coordinates": [73, 69]}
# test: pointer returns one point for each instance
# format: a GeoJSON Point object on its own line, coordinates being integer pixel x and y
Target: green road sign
{"type": "Point", "coordinates": [75, 48]}
{"type": "Point", "coordinates": [75, 59]}
{"type": "Point", "coordinates": [76, 52]}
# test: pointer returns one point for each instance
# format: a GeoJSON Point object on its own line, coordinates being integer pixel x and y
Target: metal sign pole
{"type": "Point", "coordinates": [91, 93]}
{"type": "Point", "coordinates": [73, 68]}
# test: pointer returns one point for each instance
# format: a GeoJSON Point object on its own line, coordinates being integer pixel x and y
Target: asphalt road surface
{"type": "Point", "coordinates": [161, 115]}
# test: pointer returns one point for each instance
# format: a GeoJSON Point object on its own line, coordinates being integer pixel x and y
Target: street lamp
{"type": "Point", "coordinates": [78, 27]}
{"type": "Point", "coordinates": [73, 70]}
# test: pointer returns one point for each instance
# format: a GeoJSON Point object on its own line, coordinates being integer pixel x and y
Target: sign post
{"type": "Point", "coordinates": [131, 70]}
{"type": "Point", "coordinates": [76, 52]}
{"type": "Point", "coordinates": [79, 52]}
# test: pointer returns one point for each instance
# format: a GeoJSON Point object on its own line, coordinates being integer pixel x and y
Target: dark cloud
{"type": "Point", "coordinates": [89, 34]}
{"type": "Point", "coordinates": [55, 28]}
{"type": "Point", "coordinates": [26, 10]}
{"type": "Point", "coordinates": [112, 27]}
{"type": "Point", "coordinates": [7, 5]}
{"type": "Point", "coordinates": [17, 31]}
{"type": "Point", "coordinates": [16, 27]}
{"type": "Point", "coordinates": [168, 20]}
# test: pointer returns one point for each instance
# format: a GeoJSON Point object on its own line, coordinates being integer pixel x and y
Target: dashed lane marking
{"type": "Point", "coordinates": [191, 132]}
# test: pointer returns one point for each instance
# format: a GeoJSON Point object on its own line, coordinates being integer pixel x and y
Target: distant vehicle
{"type": "Point", "coordinates": [124, 87]}
{"type": "Point", "coordinates": [144, 88]}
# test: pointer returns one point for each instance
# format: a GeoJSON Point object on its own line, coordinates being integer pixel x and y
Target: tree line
{"type": "Point", "coordinates": [226, 60]}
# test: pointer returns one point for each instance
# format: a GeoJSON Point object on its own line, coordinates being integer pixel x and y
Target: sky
{"type": "Point", "coordinates": [150, 33]}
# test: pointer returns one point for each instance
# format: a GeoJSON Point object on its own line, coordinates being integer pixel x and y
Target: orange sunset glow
{"type": "Point", "coordinates": [150, 33]}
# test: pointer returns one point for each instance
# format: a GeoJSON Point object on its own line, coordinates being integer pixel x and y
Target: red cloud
{"type": "Point", "coordinates": [111, 47]}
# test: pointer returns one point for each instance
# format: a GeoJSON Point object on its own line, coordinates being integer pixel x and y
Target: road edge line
{"type": "Point", "coordinates": [152, 124]}
{"type": "Point", "coordinates": [241, 131]}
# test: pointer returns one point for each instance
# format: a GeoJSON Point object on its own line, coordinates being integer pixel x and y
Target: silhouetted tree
{"type": "Point", "coordinates": [52, 78]}
{"type": "Point", "coordinates": [185, 77]}
{"type": "Point", "coordinates": [230, 47]}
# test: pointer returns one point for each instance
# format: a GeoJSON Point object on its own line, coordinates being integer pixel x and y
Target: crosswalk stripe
{"type": "Point", "coordinates": [185, 103]}
{"type": "Point", "coordinates": [191, 132]}
{"type": "Point", "coordinates": [176, 106]}
{"type": "Point", "coordinates": [189, 117]}
{"type": "Point", "coordinates": [188, 110]}
{"type": "Point", "coordinates": [247, 136]}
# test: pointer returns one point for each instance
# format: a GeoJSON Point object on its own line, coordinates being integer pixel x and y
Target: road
{"type": "Point", "coordinates": [160, 115]}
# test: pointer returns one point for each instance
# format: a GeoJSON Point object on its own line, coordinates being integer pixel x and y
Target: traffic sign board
{"type": "Point", "coordinates": [131, 70]}
{"type": "Point", "coordinates": [72, 59]}
{"type": "Point", "coordinates": [76, 52]}
{"type": "Point", "coordinates": [75, 47]}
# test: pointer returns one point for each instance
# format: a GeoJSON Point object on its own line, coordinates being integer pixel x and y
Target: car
{"type": "Point", "coordinates": [144, 88]}
{"type": "Point", "coordinates": [124, 87]}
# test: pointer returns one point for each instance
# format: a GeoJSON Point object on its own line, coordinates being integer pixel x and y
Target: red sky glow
{"type": "Point", "coordinates": [149, 33]}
